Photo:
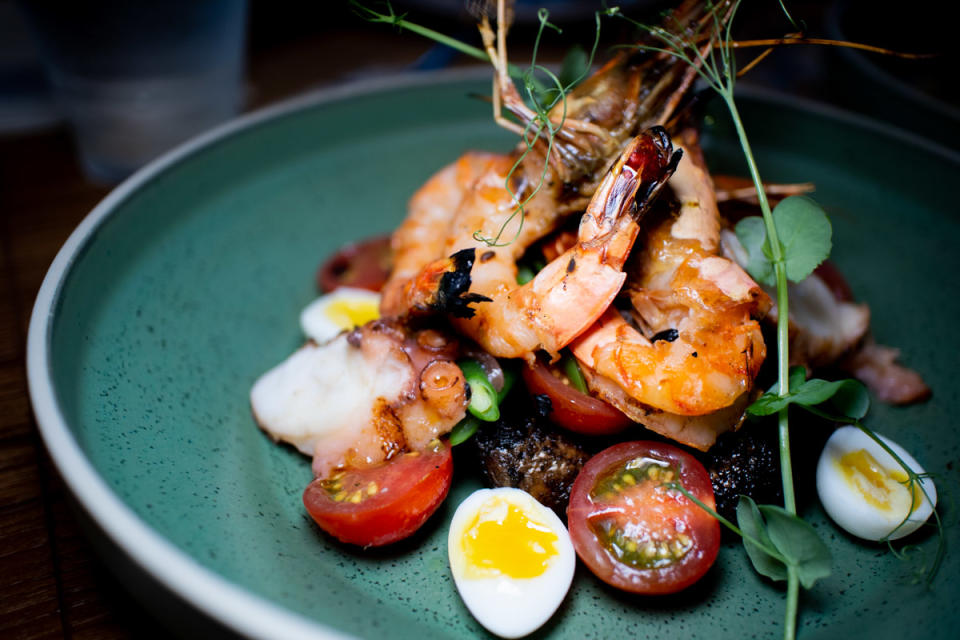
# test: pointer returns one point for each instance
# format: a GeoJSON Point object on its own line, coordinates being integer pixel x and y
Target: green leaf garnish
{"type": "Point", "coordinates": [852, 399]}
{"type": "Point", "coordinates": [797, 545]}
{"type": "Point", "coordinates": [805, 233]}
{"type": "Point", "coordinates": [809, 394]}
{"type": "Point", "coordinates": [752, 524]}
{"type": "Point", "coordinates": [576, 66]}
{"type": "Point", "coordinates": [752, 235]}
{"type": "Point", "coordinates": [805, 240]}
{"type": "Point", "coordinates": [798, 542]}
{"type": "Point", "coordinates": [848, 397]}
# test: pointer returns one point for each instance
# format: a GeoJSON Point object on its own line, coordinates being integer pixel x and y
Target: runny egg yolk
{"type": "Point", "coordinates": [348, 314]}
{"type": "Point", "coordinates": [503, 540]}
{"type": "Point", "coordinates": [881, 488]}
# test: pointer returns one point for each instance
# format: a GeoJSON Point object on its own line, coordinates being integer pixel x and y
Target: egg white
{"type": "Point", "coordinates": [846, 505]}
{"type": "Point", "coordinates": [511, 607]}
{"type": "Point", "coordinates": [315, 319]}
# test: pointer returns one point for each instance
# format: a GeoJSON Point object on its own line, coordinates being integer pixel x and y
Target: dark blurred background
{"type": "Point", "coordinates": [53, 585]}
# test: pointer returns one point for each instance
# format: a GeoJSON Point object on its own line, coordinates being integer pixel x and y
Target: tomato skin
{"type": "Point", "coordinates": [572, 409]}
{"type": "Point", "coordinates": [634, 506]}
{"type": "Point", "coordinates": [365, 265]}
{"type": "Point", "coordinates": [410, 487]}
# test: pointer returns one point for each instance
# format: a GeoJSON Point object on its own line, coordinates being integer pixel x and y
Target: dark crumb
{"type": "Point", "coordinates": [520, 450]}
{"type": "Point", "coordinates": [745, 462]}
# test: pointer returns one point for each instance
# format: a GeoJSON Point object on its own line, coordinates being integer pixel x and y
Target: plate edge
{"type": "Point", "coordinates": [239, 610]}
{"type": "Point", "coordinates": [236, 608]}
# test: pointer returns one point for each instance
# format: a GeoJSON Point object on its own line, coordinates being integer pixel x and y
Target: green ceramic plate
{"type": "Point", "coordinates": [185, 284]}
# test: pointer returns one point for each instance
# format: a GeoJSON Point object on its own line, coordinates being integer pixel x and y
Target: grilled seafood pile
{"type": "Point", "coordinates": [643, 287]}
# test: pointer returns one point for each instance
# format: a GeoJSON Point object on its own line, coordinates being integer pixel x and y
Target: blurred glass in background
{"type": "Point", "coordinates": [26, 103]}
{"type": "Point", "coordinates": [136, 78]}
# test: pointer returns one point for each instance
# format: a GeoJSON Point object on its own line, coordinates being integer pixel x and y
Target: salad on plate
{"type": "Point", "coordinates": [616, 339]}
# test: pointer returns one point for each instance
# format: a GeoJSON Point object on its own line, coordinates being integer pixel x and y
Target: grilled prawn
{"type": "Point", "coordinates": [636, 90]}
{"type": "Point", "coordinates": [571, 292]}
{"type": "Point", "coordinates": [694, 345]}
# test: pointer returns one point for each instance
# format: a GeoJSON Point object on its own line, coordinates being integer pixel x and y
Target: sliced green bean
{"type": "Point", "coordinates": [572, 369]}
{"type": "Point", "coordinates": [483, 397]}
{"type": "Point", "coordinates": [463, 430]}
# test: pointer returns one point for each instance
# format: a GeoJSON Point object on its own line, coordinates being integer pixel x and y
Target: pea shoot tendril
{"type": "Point", "coordinates": [795, 553]}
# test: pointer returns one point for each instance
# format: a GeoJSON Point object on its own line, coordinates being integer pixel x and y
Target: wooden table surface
{"type": "Point", "coordinates": [51, 583]}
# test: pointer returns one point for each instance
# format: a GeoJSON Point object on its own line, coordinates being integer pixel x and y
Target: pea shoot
{"type": "Point", "coordinates": [784, 244]}
{"type": "Point", "coordinates": [572, 369]}
{"type": "Point", "coordinates": [542, 91]}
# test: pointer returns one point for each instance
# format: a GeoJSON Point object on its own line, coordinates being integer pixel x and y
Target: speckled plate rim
{"type": "Point", "coordinates": [212, 594]}
{"type": "Point", "coordinates": [206, 590]}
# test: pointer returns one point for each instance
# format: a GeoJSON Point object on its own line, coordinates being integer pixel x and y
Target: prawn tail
{"type": "Point", "coordinates": [443, 286]}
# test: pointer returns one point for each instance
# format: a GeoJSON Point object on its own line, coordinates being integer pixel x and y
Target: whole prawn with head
{"type": "Point", "coordinates": [595, 160]}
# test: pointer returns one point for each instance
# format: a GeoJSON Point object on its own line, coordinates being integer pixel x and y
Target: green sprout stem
{"type": "Point", "coordinates": [398, 20]}
{"type": "Point", "coordinates": [783, 325]}
{"type": "Point", "coordinates": [717, 66]}
{"type": "Point", "coordinates": [541, 125]}
{"type": "Point", "coordinates": [783, 352]}
{"type": "Point", "coordinates": [771, 551]}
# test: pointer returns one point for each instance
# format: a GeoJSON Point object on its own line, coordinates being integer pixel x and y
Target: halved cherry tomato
{"type": "Point", "coordinates": [635, 533]}
{"type": "Point", "coordinates": [383, 504]}
{"type": "Point", "coordinates": [572, 409]}
{"type": "Point", "coordinates": [365, 265]}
